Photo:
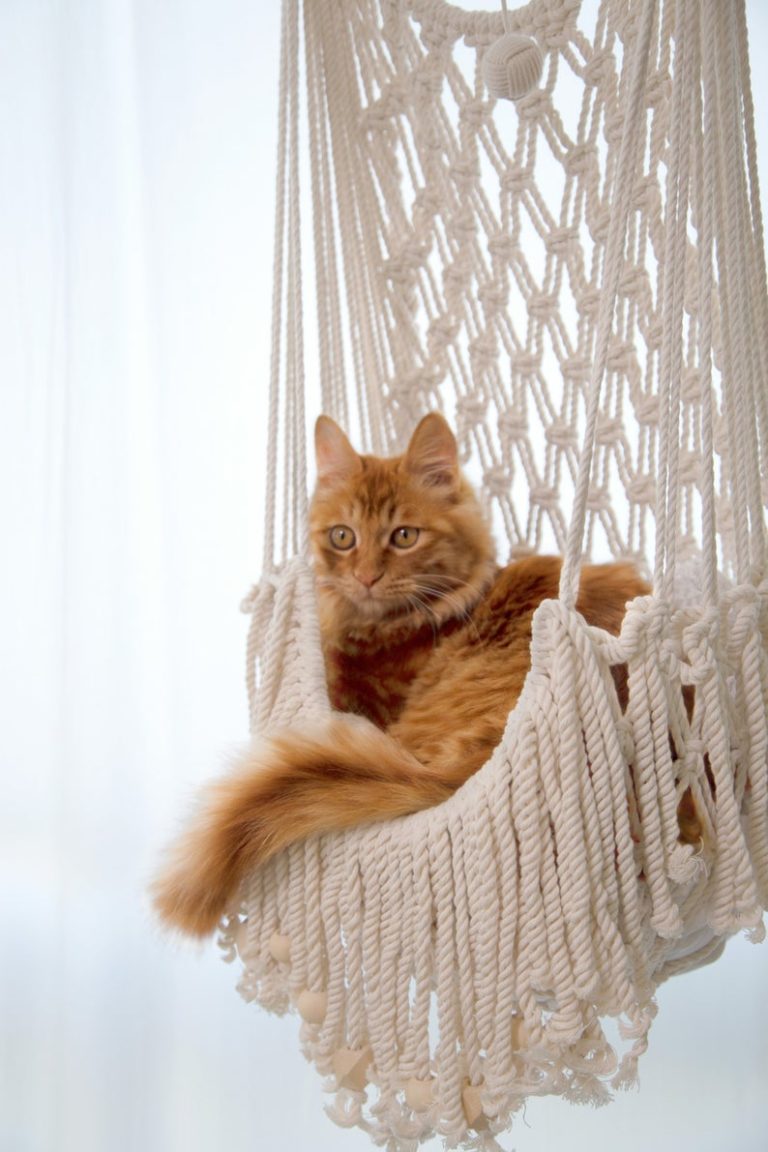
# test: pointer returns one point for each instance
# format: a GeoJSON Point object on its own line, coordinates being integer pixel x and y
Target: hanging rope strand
{"type": "Point", "coordinates": [628, 159]}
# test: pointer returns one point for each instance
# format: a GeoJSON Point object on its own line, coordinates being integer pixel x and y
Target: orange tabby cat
{"type": "Point", "coordinates": [426, 640]}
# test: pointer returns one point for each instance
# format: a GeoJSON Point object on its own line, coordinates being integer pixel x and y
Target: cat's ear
{"type": "Point", "coordinates": [432, 454]}
{"type": "Point", "coordinates": [336, 458]}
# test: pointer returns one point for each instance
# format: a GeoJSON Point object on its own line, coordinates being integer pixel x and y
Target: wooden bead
{"type": "Point", "coordinates": [473, 1108]}
{"type": "Point", "coordinates": [520, 1035]}
{"type": "Point", "coordinates": [419, 1094]}
{"type": "Point", "coordinates": [350, 1067]}
{"type": "Point", "coordinates": [312, 1006]}
{"type": "Point", "coordinates": [280, 948]}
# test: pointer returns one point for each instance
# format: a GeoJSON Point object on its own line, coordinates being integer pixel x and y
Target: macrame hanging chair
{"type": "Point", "coordinates": [575, 277]}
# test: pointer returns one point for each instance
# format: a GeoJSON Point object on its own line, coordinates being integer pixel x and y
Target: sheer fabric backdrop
{"type": "Point", "coordinates": [136, 155]}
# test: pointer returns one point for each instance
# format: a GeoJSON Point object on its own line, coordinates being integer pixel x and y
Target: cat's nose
{"type": "Point", "coordinates": [367, 577]}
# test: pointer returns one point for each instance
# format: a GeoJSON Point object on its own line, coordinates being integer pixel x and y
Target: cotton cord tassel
{"type": "Point", "coordinates": [512, 65]}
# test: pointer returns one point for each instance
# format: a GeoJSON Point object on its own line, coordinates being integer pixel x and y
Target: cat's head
{"type": "Point", "coordinates": [397, 536]}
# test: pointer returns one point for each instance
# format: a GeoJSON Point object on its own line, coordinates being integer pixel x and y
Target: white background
{"type": "Point", "coordinates": [136, 157]}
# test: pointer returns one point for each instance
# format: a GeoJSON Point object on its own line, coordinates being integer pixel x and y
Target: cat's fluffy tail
{"type": "Point", "coordinates": [344, 772]}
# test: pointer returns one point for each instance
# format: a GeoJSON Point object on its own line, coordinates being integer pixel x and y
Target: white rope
{"type": "Point", "coordinates": [579, 282]}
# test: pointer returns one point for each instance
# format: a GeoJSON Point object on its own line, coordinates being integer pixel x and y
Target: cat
{"type": "Point", "coordinates": [426, 643]}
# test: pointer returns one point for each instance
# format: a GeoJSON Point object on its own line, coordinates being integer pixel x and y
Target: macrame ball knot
{"type": "Point", "coordinates": [512, 66]}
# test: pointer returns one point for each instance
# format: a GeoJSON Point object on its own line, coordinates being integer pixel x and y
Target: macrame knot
{"type": "Point", "coordinates": [654, 332]}
{"type": "Point", "coordinates": [646, 196]}
{"type": "Point", "coordinates": [493, 296]}
{"type": "Point", "coordinates": [599, 221]}
{"type": "Point", "coordinates": [658, 89]}
{"type": "Point", "coordinates": [599, 68]}
{"type": "Point", "coordinates": [441, 333]}
{"type": "Point", "coordinates": [416, 386]}
{"type": "Point", "coordinates": [647, 408]}
{"type": "Point", "coordinates": [580, 158]}
{"type": "Point", "coordinates": [482, 352]}
{"type": "Point", "coordinates": [642, 490]}
{"type": "Point", "coordinates": [426, 81]}
{"type": "Point", "coordinates": [534, 105]}
{"type": "Point", "coordinates": [689, 467]}
{"type": "Point", "coordinates": [621, 357]}
{"type": "Point", "coordinates": [402, 266]}
{"type": "Point", "coordinates": [597, 501]}
{"type": "Point", "coordinates": [497, 480]}
{"type": "Point", "coordinates": [426, 206]}
{"type": "Point", "coordinates": [561, 435]}
{"type": "Point", "coordinates": [634, 283]}
{"type": "Point", "coordinates": [391, 103]}
{"type": "Point", "coordinates": [575, 368]}
{"type": "Point", "coordinates": [614, 128]}
{"type": "Point", "coordinates": [475, 113]}
{"type": "Point", "coordinates": [512, 66]}
{"type": "Point", "coordinates": [453, 280]}
{"type": "Point", "coordinates": [588, 303]}
{"type": "Point", "coordinates": [544, 497]}
{"type": "Point", "coordinates": [515, 180]}
{"type": "Point", "coordinates": [462, 172]}
{"type": "Point", "coordinates": [526, 363]}
{"type": "Point", "coordinates": [560, 240]}
{"type": "Point", "coordinates": [260, 592]}
{"type": "Point", "coordinates": [470, 410]}
{"type": "Point", "coordinates": [513, 426]}
{"type": "Point", "coordinates": [502, 246]}
{"type": "Point", "coordinates": [608, 430]}
{"type": "Point", "coordinates": [542, 305]}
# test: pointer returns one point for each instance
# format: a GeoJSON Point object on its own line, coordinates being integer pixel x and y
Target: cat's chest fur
{"type": "Point", "coordinates": [374, 679]}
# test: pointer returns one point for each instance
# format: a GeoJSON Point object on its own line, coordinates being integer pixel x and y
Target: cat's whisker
{"type": "Point", "coordinates": [423, 607]}
{"type": "Point", "coordinates": [460, 609]}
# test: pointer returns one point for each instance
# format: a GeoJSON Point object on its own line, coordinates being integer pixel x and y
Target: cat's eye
{"type": "Point", "coordinates": [341, 537]}
{"type": "Point", "coordinates": [404, 537]}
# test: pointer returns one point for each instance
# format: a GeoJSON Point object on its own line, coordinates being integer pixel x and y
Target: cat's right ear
{"type": "Point", "coordinates": [336, 458]}
{"type": "Point", "coordinates": [432, 454]}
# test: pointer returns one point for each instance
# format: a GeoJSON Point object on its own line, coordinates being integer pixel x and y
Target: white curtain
{"type": "Point", "coordinates": [136, 156]}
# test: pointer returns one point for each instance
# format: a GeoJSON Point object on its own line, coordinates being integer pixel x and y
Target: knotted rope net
{"type": "Point", "coordinates": [577, 280]}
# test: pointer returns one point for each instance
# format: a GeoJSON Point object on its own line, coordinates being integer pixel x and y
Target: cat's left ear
{"type": "Point", "coordinates": [432, 454]}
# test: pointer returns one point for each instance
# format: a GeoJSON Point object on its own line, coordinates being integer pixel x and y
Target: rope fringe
{"type": "Point", "coordinates": [450, 964]}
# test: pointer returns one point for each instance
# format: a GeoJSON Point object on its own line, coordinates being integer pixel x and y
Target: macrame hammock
{"type": "Point", "coordinates": [576, 278]}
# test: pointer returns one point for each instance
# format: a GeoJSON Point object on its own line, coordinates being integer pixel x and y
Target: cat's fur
{"type": "Point", "coordinates": [426, 645]}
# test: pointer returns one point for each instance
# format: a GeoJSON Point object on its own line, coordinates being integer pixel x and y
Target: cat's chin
{"type": "Point", "coordinates": [366, 608]}
{"type": "Point", "coordinates": [370, 606]}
